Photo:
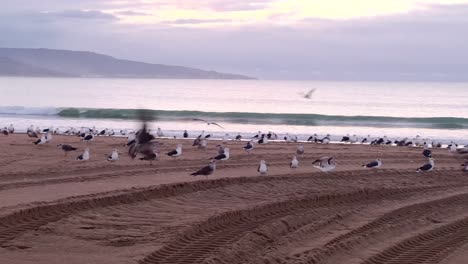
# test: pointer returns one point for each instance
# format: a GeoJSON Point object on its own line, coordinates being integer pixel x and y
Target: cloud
{"type": "Point", "coordinates": [80, 14]}
{"type": "Point", "coordinates": [427, 44]}
{"type": "Point", "coordinates": [196, 21]}
{"type": "Point", "coordinates": [131, 13]}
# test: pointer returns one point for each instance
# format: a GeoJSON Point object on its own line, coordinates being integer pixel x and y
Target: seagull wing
{"type": "Point", "coordinates": [199, 119]}
{"type": "Point", "coordinates": [216, 125]}
{"type": "Point", "coordinates": [309, 93]}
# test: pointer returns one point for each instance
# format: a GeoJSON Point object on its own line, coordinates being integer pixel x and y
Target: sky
{"type": "Point", "coordinates": [268, 39]}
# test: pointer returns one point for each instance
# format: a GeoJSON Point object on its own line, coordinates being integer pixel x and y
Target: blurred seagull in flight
{"type": "Point", "coordinates": [208, 123]}
{"type": "Point", "coordinates": [308, 95]}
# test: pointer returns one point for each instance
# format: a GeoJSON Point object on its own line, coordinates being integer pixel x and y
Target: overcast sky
{"type": "Point", "coordinates": [269, 39]}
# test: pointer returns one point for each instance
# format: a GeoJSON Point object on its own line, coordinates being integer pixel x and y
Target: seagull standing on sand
{"type": "Point", "coordinates": [159, 132]}
{"type": "Point", "coordinates": [185, 135]}
{"type": "Point", "coordinates": [465, 166]}
{"type": "Point", "coordinates": [11, 129]}
{"type": "Point", "coordinates": [207, 170]}
{"type": "Point", "coordinates": [294, 163]}
{"type": "Point", "coordinates": [4, 131]}
{"type": "Point", "coordinates": [84, 156]}
{"type": "Point", "coordinates": [262, 168]}
{"type": "Point", "coordinates": [220, 149]}
{"type": "Point", "coordinates": [41, 141]}
{"type": "Point", "coordinates": [224, 156]}
{"type": "Point", "coordinates": [32, 134]}
{"type": "Point", "coordinates": [114, 156]}
{"type": "Point", "coordinates": [427, 153]}
{"type": "Point", "coordinates": [300, 150]}
{"type": "Point", "coordinates": [88, 137]}
{"type": "Point", "coordinates": [249, 146]}
{"type": "Point", "coordinates": [176, 152]}
{"type": "Point", "coordinates": [66, 148]}
{"type": "Point", "coordinates": [263, 140]}
{"type": "Point", "coordinates": [238, 137]}
{"type": "Point", "coordinates": [453, 147]}
{"type": "Point", "coordinates": [326, 164]}
{"type": "Point", "coordinates": [202, 144]}
{"type": "Point", "coordinates": [374, 164]}
{"type": "Point", "coordinates": [427, 167]}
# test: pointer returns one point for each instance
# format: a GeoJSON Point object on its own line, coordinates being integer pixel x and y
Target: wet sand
{"type": "Point", "coordinates": [55, 209]}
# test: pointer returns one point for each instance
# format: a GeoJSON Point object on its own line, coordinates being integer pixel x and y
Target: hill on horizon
{"type": "Point", "coordinates": [66, 63]}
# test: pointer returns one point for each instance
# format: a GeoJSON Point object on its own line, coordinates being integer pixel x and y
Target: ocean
{"type": "Point", "coordinates": [437, 111]}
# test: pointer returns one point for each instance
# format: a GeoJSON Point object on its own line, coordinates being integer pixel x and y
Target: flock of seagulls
{"type": "Point", "coordinates": [140, 143]}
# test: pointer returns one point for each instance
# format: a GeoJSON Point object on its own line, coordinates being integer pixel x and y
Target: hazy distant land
{"type": "Point", "coordinates": [65, 63]}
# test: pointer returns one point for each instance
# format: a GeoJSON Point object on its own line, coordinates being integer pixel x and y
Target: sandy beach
{"type": "Point", "coordinates": [55, 209]}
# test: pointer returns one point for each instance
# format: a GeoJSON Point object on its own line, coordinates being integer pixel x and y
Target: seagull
{"type": "Point", "coordinates": [354, 139]}
{"type": "Point", "coordinates": [427, 153]}
{"type": "Point", "coordinates": [220, 149]}
{"type": "Point", "coordinates": [452, 147]}
{"type": "Point", "coordinates": [48, 136]}
{"type": "Point", "coordinates": [427, 167]}
{"type": "Point", "coordinates": [262, 168]}
{"type": "Point", "coordinates": [32, 134]}
{"type": "Point", "coordinates": [176, 152]}
{"type": "Point", "coordinates": [11, 129]}
{"type": "Point", "coordinates": [41, 141]}
{"type": "Point", "coordinates": [4, 131]}
{"type": "Point", "coordinates": [150, 155]}
{"type": "Point", "coordinates": [374, 164]}
{"type": "Point", "coordinates": [300, 150]}
{"type": "Point", "coordinates": [325, 164]}
{"type": "Point", "coordinates": [197, 141]}
{"type": "Point", "coordinates": [114, 156]}
{"type": "Point", "coordinates": [207, 170]}
{"type": "Point", "coordinates": [208, 123]}
{"type": "Point", "coordinates": [263, 140]}
{"type": "Point", "coordinates": [159, 132]}
{"type": "Point", "coordinates": [249, 146]}
{"type": "Point", "coordinates": [185, 134]}
{"type": "Point", "coordinates": [202, 143]}
{"type": "Point", "coordinates": [238, 137]}
{"type": "Point", "coordinates": [345, 138]}
{"type": "Point", "coordinates": [224, 156]}
{"type": "Point", "coordinates": [308, 95]}
{"type": "Point", "coordinates": [294, 163]}
{"type": "Point", "coordinates": [88, 137]}
{"type": "Point", "coordinates": [143, 144]}
{"type": "Point", "coordinates": [365, 140]}
{"type": "Point", "coordinates": [465, 166]}
{"type": "Point", "coordinates": [66, 148]}
{"type": "Point", "coordinates": [84, 156]}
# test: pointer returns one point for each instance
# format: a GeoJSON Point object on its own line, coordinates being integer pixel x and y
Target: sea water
{"type": "Point", "coordinates": [433, 110]}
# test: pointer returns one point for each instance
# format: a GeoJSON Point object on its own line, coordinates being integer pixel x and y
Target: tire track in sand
{"type": "Point", "coordinates": [205, 239]}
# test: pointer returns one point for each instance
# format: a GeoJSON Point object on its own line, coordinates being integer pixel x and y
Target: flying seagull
{"type": "Point", "coordinates": [143, 144]}
{"type": "Point", "coordinates": [308, 95]}
{"type": "Point", "coordinates": [208, 123]}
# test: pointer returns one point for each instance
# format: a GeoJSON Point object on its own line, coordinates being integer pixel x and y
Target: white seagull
{"type": "Point", "coordinates": [114, 156]}
{"type": "Point", "coordinates": [326, 164]}
{"type": "Point", "coordinates": [294, 163]}
{"type": "Point", "coordinates": [176, 152]}
{"type": "Point", "coordinates": [427, 167]}
{"type": "Point", "coordinates": [224, 156]}
{"type": "Point", "coordinates": [84, 156]}
{"type": "Point", "coordinates": [262, 168]}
